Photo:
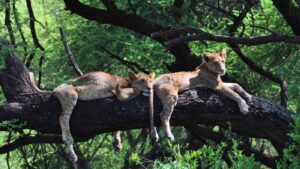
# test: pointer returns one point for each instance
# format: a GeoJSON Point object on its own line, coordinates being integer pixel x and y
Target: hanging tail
{"type": "Point", "coordinates": [153, 131]}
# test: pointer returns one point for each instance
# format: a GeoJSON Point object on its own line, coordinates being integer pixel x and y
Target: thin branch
{"type": "Point", "coordinates": [30, 58]}
{"type": "Point", "coordinates": [250, 41]}
{"type": "Point", "coordinates": [109, 4]}
{"type": "Point", "coordinates": [274, 78]}
{"type": "Point", "coordinates": [208, 133]}
{"type": "Point", "coordinates": [239, 19]}
{"type": "Point", "coordinates": [70, 55]}
{"type": "Point", "coordinates": [142, 136]}
{"type": "Point", "coordinates": [40, 70]}
{"type": "Point", "coordinates": [8, 22]}
{"type": "Point", "coordinates": [98, 147]}
{"type": "Point", "coordinates": [38, 139]}
{"type": "Point", "coordinates": [264, 28]}
{"type": "Point", "coordinates": [263, 72]}
{"type": "Point", "coordinates": [131, 65]}
{"type": "Point", "coordinates": [32, 26]}
{"type": "Point", "coordinates": [8, 155]}
{"type": "Point", "coordinates": [218, 8]}
{"type": "Point", "coordinates": [16, 17]}
{"type": "Point", "coordinates": [131, 7]}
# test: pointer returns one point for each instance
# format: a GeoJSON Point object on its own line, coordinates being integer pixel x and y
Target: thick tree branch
{"type": "Point", "coordinates": [290, 12]}
{"type": "Point", "coordinates": [200, 35]}
{"type": "Point", "coordinates": [41, 111]}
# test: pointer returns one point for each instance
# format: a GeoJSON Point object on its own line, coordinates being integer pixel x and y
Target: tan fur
{"type": "Point", "coordinates": [167, 87]}
{"type": "Point", "coordinates": [97, 85]}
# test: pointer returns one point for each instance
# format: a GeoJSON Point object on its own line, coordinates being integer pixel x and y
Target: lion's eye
{"type": "Point", "coordinates": [215, 63]}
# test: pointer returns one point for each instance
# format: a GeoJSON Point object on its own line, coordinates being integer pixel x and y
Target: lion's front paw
{"type": "Point", "coordinates": [244, 108]}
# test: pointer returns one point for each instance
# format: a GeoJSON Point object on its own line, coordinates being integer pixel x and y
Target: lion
{"type": "Point", "coordinates": [167, 87]}
{"type": "Point", "coordinates": [95, 85]}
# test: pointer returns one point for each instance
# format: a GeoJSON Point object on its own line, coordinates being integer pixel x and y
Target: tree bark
{"type": "Point", "coordinates": [40, 111]}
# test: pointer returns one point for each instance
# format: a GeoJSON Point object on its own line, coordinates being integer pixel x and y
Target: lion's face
{"type": "Point", "coordinates": [141, 82]}
{"type": "Point", "coordinates": [215, 62]}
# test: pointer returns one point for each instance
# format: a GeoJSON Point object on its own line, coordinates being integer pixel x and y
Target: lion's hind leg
{"type": "Point", "coordinates": [67, 96]}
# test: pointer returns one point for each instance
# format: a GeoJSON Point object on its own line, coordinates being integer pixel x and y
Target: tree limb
{"type": "Point", "coordinates": [132, 65]}
{"type": "Point", "coordinates": [17, 22]}
{"type": "Point", "coordinates": [8, 22]}
{"type": "Point", "coordinates": [33, 32]}
{"type": "Point", "coordinates": [38, 139]}
{"type": "Point", "coordinates": [69, 53]}
{"type": "Point", "coordinates": [200, 35]}
{"type": "Point", "coordinates": [274, 78]}
{"type": "Point", "coordinates": [290, 12]}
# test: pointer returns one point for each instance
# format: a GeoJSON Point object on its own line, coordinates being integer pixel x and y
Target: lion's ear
{"type": "Point", "coordinates": [132, 76]}
{"type": "Point", "coordinates": [223, 53]}
{"type": "Point", "coordinates": [205, 58]}
{"type": "Point", "coordinates": [152, 75]}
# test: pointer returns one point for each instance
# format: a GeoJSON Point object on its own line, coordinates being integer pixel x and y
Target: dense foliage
{"type": "Point", "coordinates": [90, 41]}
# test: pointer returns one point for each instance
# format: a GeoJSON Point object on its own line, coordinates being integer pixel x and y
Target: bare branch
{"type": "Point", "coordinates": [263, 72]}
{"type": "Point", "coordinates": [16, 17]}
{"type": "Point", "coordinates": [72, 60]}
{"type": "Point", "coordinates": [132, 65]}
{"type": "Point", "coordinates": [223, 38]}
{"type": "Point", "coordinates": [264, 28]}
{"type": "Point", "coordinates": [38, 139]}
{"type": "Point", "coordinates": [8, 22]}
{"type": "Point", "coordinates": [283, 85]}
{"type": "Point", "coordinates": [40, 71]}
{"type": "Point", "coordinates": [131, 7]}
{"type": "Point", "coordinates": [218, 8]}
{"type": "Point", "coordinates": [32, 26]}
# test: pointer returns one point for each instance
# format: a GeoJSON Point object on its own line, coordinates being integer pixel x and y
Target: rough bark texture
{"type": "Point", "coordinates": [40, 111]}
